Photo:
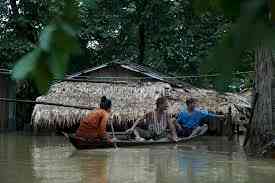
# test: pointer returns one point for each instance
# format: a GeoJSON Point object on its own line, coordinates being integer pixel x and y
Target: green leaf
{"type": "Point", "coordinates": [247, 32]}
{"type": "Point", "coordinates": [64, 41]}
{"type": "Point", "coordinates": [68, 29]}
{"type": "Point", "coordinates": [42, 76]}
{"type": "Point", "coordinates": [60, 42]}
{"type": "Point", "coordinates": [45, 40]}
{"type": "Point", "coordinates": [58, 64]}
{"type": "Point", "coordinates": [26, 64]}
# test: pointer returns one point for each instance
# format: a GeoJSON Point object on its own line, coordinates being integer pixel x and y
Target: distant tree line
{"type": "Point", "coordinates": [164, 34]}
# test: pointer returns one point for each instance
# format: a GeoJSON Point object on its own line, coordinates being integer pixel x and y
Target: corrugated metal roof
{"type": "Point", "coordinates": [146, 71]}
{"type": "Point", "coordinates": [86, 71]}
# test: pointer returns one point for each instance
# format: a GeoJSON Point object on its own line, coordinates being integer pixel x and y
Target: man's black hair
{"type": "Point", "coordinates": [190, 101]}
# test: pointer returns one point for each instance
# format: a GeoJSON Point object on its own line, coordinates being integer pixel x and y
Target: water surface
{"type": "Point", "coordinates": [25, 159]}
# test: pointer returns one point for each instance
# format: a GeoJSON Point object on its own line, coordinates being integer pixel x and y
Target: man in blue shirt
{"type": "Point", "coordinates": [191, 119]}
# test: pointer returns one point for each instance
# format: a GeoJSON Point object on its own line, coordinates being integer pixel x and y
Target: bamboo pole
{"type": "Point", "coordinates": [45, 103]}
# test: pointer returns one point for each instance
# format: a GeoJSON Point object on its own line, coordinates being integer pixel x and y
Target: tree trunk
{"type": "Point", "coordinates": [261, 124]}
{"type": "Point", "coordinates": [141, 44]}
{"type": "Point", "coordinates": [141, 17]}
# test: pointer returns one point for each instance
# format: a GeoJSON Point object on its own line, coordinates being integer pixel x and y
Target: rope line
{"type": "Point", "coordinates": [170, 77]}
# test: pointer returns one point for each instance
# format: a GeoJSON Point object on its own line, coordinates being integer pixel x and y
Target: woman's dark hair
{"type": "Point", "coordinates": [105, 103]}
{"type": "Point", "coordinates": [190, 101]}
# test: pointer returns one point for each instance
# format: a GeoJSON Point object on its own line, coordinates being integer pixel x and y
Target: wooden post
{"type": "Point", "coordinates": [45, 103]}
{"type": "Point", "coordinates": [166, 92]}
{"type": "Point", "coordinates": [238, 129]}
{"type": "Point", "coordinates": [230, 126]}
{"type": "Point", "coordinates": [273, 103]}
{"type": "Point", "coordinates": [12, 106]}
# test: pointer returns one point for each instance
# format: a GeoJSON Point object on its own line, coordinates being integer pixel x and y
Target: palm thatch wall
{"type": "Point", "coordinates": [130, 101]}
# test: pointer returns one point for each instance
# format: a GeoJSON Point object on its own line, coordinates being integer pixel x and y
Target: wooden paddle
{"type": "Point", "coordinates": [113, 132]}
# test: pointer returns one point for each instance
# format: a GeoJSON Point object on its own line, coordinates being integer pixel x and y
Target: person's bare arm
{"type": "Point", "coordinates": [172, 127]}
{"type": "Point", "coordinates": [135, 125]}
{"type": "Point", "coordinates": [221, 116]}
{"type": "Point", "coordinates": [102, 130]}
{"type": "Point", "coordinates": [177, 125]}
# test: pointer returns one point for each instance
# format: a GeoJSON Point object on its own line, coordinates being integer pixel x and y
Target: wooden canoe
{"type": "Point", "coordinates": [80, 143]}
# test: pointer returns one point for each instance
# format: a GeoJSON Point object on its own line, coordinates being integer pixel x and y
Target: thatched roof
{"type": "Point", "coordinates": [129, 101]}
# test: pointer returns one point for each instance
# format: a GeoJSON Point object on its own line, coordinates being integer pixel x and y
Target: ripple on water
{"type": "Point", "coordinates": [51, 159]}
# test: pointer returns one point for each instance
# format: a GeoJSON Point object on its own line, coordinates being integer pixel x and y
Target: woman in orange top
{"type": "Point", "coordinates": [93, 126]}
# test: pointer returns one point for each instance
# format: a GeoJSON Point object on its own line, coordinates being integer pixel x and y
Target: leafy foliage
{"type": "Point", "coordinates": [176, 39]}
{"type": "Point", "coordinates": [253, 15]}
{"type": "Point", "coordinates": [57, 42]}
{"type": "Point", "coordinates": [20, 26]}
{"type": "Point", "coordinates": [74, 34]}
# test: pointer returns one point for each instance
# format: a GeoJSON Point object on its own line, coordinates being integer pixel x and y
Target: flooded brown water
{"type": "Point", "coordinates": [26, 159]}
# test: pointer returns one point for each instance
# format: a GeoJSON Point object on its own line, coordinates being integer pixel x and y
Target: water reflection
{"type": "Point", "coordinates": [93, 169]}
{"type": "Point", "coordinates": [15, 156]}
{"type": "Point", "coordinates": [134, 168]}
{"type": "Point", "coordinates": [51, 159]}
